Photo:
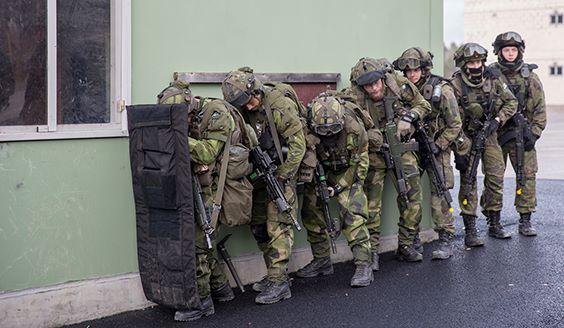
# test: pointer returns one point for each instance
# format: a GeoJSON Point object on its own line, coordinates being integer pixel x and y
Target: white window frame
{"type": "Point", "coordinates": [120, 82]}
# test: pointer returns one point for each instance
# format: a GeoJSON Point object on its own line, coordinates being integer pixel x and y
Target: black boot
{"type": "Point", "coordinates": [525, 227]}
{"type": "Point", "coordinates": [471, 238]}
{"type": "Point", "coordinates": [417, 245]}
{"type": "Point", "coordinates": [496, 229]}
{"type": "Point", "coordinates": [363, 276]}
{"type": "Point", "coordinates": [275, 291]}
{"type": "Point", "coordinates": [320, 266]}
{"type": "Point", "coordinates": [206, 309]}
{"type": "Point", "coordinates": [260, 285]}
{"type": "Point", "coordinates": [409, 254]}
{"type": "Point", "coordinates": [223, 293]}
{"type": "Point", "coordinates": [375, 266]}
{"type": "Point", "coordinates": [444, 251]}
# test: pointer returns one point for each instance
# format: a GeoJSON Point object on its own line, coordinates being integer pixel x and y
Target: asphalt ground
{"type": "Point", "coordinates": [507, 283]}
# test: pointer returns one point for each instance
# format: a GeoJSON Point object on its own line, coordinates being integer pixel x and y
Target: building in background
{"type": "Point", "coordinates": [540, 23]}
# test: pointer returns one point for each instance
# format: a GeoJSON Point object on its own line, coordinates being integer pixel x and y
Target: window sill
{"type": "Point", "coordinates": [81, 131]}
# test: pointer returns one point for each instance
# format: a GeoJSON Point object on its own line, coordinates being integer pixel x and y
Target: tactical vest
{"type": "Point", "coordinates": [333, 152]}
{"type": "Point", "coordinates": [475, 102]}
{"type": "Point", "coordinates": [432, 90]}
{"type": "Point", "coordinates": [519, 90]}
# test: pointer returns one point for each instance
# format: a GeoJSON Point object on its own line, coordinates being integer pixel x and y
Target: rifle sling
{"type": "Point", "coordinates": [216, 208]}
{"type": "Point", "coordinates": [273, 131]}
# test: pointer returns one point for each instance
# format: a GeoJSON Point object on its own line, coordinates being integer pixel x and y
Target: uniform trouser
{"type": "Point", "coordinates": [527, 201]}
{"type": "Point", "coordinates": [442, 217]}
{"type": "Point", "coordinates": [353, 213]}
{"type": "Point", "coordinates": [410, 214]}
{"type": "Point", "coordinates": [209, 273]}
{"type": "Point", "coordinates": [493, 168]}
{"type": "Point", "coordinates": [273, 231]}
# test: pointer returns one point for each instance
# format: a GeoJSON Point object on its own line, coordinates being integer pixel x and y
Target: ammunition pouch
{"type": "Point", "coordinates": [306, 171]}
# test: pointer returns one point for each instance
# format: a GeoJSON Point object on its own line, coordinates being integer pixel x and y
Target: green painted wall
{"type": "Point", "coordinates": [66, 211]}
{"type": "Point", "coordinates": [66, 207]}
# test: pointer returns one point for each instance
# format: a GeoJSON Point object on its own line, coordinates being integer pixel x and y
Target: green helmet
{"type": "Point", "coordinates": [178, 92]}
{"type": "Point", "coordinates": [369, 70]}
{"type": "Point", "coordinates": [508, 39]}
{"type": "Point", "coordinates": [414, 58]}
{"type": "Point", "coordinates": [469, 52]}
{"type": "Point", "coordinates": [326, 115]}
{"type": "Point", "coordinates": [239, 86]}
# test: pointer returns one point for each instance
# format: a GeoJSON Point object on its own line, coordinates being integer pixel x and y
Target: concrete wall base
{"type": "Point", "coordinates": [90, 299]}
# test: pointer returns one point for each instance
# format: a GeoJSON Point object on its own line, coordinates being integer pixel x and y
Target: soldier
{"type": "Point", "coordinates": [377, 88]}
{"type": "Point", "coordinates": [485, 103]}
{"type": "Point", "coordinates": [206, 147]}
{"type": "Point", "coordinates": [518, 137]}
{"type": "Point", "coordinates": [342, 150]}
{"type": "Point", "coordinates": [275, 120]}
{"type": "Point", "coordinates": [442, 126]}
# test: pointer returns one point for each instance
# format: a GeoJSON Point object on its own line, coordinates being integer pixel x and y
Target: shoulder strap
{"type": "Point", "coordinates": [216, 207]}
{"type": "Point", "coordinates": [393, 85]}
{"type": "Point", "coordinates": [273, 131]}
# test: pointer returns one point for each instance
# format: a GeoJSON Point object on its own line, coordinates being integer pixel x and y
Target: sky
{"type": "Point", "coordinates": [453, 21]}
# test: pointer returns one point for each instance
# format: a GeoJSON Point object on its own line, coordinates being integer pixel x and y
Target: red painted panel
{"type": "Point", "coordinates": [307, 91]}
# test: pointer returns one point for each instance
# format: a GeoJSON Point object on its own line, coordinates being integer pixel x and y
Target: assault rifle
{"type": "Point", "coordinates": [517, 132]}
{"type": "Point", "coordinates": [431, 162]}
{"type": "Point", "coordinates": [321, 181]}
{"type": "Point", "coordinates": [203, 215]}
{"type": "Point", "coordinates": [392, 153]}
{"type": "Point", "coordinates": [265, 167]}
{"type": "Point", "coordinates": [477, 150]}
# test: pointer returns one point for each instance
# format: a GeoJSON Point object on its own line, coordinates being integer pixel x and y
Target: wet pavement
{"type": "Point", "coordinates": [507, 283]}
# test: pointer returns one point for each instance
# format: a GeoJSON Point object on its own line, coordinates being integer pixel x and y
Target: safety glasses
{"type": "Point", "coordinates": [328, 129]}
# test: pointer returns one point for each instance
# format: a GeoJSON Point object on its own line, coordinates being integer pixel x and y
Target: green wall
{"type": "Point", "coordinates": [66, 207]}
{"type": "Point", "coordinates": [66, 211]}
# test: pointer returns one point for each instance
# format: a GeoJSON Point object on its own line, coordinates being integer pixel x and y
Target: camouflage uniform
{"type": "Point", "coordinates": [409, 102]}
{"type": "Point", "coordinates": [271, 229]}
{"type": "Point", "coordinates": [473, 90]}
{"type": "Point", "coordinates": [345, 159]}
{"type": "Point", "coordinates": [442, 125]}
{"type": "Point", "coordinates": [527, 88]}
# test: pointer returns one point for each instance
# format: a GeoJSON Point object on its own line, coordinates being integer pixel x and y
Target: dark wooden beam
{"type": "Point", "coordinates": [205, 77]}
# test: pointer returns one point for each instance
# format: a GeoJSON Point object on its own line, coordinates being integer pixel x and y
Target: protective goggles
{"type": "Point", "coordinates": [474, 50]}
{"type": "Point", "coordinates": [508, 36]}
{"type": "Point", "coordinates": [240, 99]}
{"type": "Point", "coordinates": [407, 63]}
{"type": "Point", "coordinates": [328, 129]}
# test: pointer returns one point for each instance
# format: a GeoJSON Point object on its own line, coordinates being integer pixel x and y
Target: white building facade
{"type": "Point", "coordinates": [539, 22]}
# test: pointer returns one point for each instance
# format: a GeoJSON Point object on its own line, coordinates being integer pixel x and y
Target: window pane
{"type": "Point", "coordinates": [552, 19]}
{"type": "Point", "coordinates": [83, 37]}
{"type": "Point", "coordinates": [552, 70]}
{"type": "Point", "coordinates": [559, 71]}
{"type": "Point", "coordinates": [560, 19]}
{"type": "Point", "coordinates": [23, 62]}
